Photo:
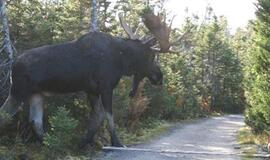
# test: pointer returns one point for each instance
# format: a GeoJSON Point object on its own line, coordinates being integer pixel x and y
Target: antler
{"type": "Point", "coordinates": [159, 29]}
{"type": "Point", "coordinates": [127, 29]}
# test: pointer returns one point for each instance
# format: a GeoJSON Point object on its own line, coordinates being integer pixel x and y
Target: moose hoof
{"type": "Point", "coordinates": [84, 143]}
{"type": "Point", "coordinates": [40, 139]}
{"type": "Point", "coordinates": [118, 145]}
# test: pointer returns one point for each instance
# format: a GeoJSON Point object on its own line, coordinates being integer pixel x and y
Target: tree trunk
{"type": "Point", "coordinates": [7, 42]}
{"type": "Point", "coordinates": [214, 86]}
{"type": "Point", "coordinates": [93, 24]}
{"type": "Point", "coordinates": [6, 53]}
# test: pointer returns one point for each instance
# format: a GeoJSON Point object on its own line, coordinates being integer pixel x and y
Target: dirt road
{"type": "Point", "coordinates": [209, 139]}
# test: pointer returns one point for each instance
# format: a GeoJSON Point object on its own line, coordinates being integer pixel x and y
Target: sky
{"type": "Point", "coordinates": [237, 12]}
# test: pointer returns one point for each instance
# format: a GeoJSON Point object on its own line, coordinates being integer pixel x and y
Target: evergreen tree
{"type": "Point", "coordinates": [258, 114]}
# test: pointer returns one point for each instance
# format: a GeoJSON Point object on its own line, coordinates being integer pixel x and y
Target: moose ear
{"type": "Point", "coordinates": [150, 42]}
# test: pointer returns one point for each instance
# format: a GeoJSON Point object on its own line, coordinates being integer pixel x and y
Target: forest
{"type": "Point", "coordinates": [209, 71]}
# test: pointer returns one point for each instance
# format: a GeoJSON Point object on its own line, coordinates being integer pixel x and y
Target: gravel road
{"type": "Point", "coordinates": [208, 139]}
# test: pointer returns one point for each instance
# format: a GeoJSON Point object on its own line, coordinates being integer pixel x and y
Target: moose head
{"type": "Point", "coordinates": [161, 34]}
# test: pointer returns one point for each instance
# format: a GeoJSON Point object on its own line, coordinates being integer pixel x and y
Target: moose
{"type": "Point", "coordinates": [94, 64]}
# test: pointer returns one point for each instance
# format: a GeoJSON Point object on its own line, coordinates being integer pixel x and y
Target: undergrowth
{"type": "Point", "coordinates": [251, 143]}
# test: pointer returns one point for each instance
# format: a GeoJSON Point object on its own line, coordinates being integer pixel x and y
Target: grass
{"type": "Point", "coordinates": [14, 150]}
{"type": "Point", "coordinates": [245, 136]}
{"type": "Point", "coordinates": [249, 142]}
{"type": "Point", "coordinates": [145, 131]}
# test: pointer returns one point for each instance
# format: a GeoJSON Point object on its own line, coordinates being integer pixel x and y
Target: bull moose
{"type": "Point", "coordinates": [94, 63]}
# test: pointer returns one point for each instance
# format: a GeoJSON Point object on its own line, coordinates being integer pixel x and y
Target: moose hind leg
{"type": "Point", "coordinates": [36, 114]}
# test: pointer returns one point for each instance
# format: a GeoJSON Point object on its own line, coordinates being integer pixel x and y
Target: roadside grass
{"type": "Point", "coordinates": [145, 131]}
{"type": "Point", "coordinates": [245, 136]}
{"type": "Point", "coordinates": [251, 143]}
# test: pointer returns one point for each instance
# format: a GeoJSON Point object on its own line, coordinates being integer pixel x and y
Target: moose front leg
{"type": "Point", "coordinates": [107, 103]}
{"type": "Point", "coordinates": [97, 116]}
{"type": "Point", "coordinates": [135, 84]}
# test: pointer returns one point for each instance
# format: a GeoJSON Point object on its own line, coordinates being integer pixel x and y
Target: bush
{"type": "Point", "coordinates": [254, 118]}
{"type": "Point", "coordinates": [4, 117]}
{"type": "Point", "coordinates": [62, 131]}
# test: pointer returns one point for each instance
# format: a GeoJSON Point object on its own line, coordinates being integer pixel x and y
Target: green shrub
{"type": "Point", "coordinates": [4, 117]}
{"type": "Point", "coordinates": [62, 131]}
{"type": "Point", "coordinates": [255, 118]}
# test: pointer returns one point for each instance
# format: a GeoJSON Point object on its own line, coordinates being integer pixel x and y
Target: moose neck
{"type": "Point", "coordinates": [128, 57]}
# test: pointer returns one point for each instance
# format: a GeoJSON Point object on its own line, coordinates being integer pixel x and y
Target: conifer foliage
{"type": "Point", "coordinates": [258, 113]}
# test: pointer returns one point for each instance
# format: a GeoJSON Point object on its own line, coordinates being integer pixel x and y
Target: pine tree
{"type": "Point", "coordinates": [258, 114]}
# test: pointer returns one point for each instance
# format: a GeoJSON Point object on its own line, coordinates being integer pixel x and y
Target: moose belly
{"type": "Point", "coordinates": [60, 86]}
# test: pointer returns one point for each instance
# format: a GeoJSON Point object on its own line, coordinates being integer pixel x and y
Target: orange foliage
{"type": "Point", "coordinates": [137, 107]}
{"type": "Point", "coordinates": [205, 105]}
{"type": "Point", "coordinates": [179, 101]}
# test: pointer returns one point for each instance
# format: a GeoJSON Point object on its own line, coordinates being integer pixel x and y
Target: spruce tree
{"type": "Point", "coordinates": [258, 114]}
